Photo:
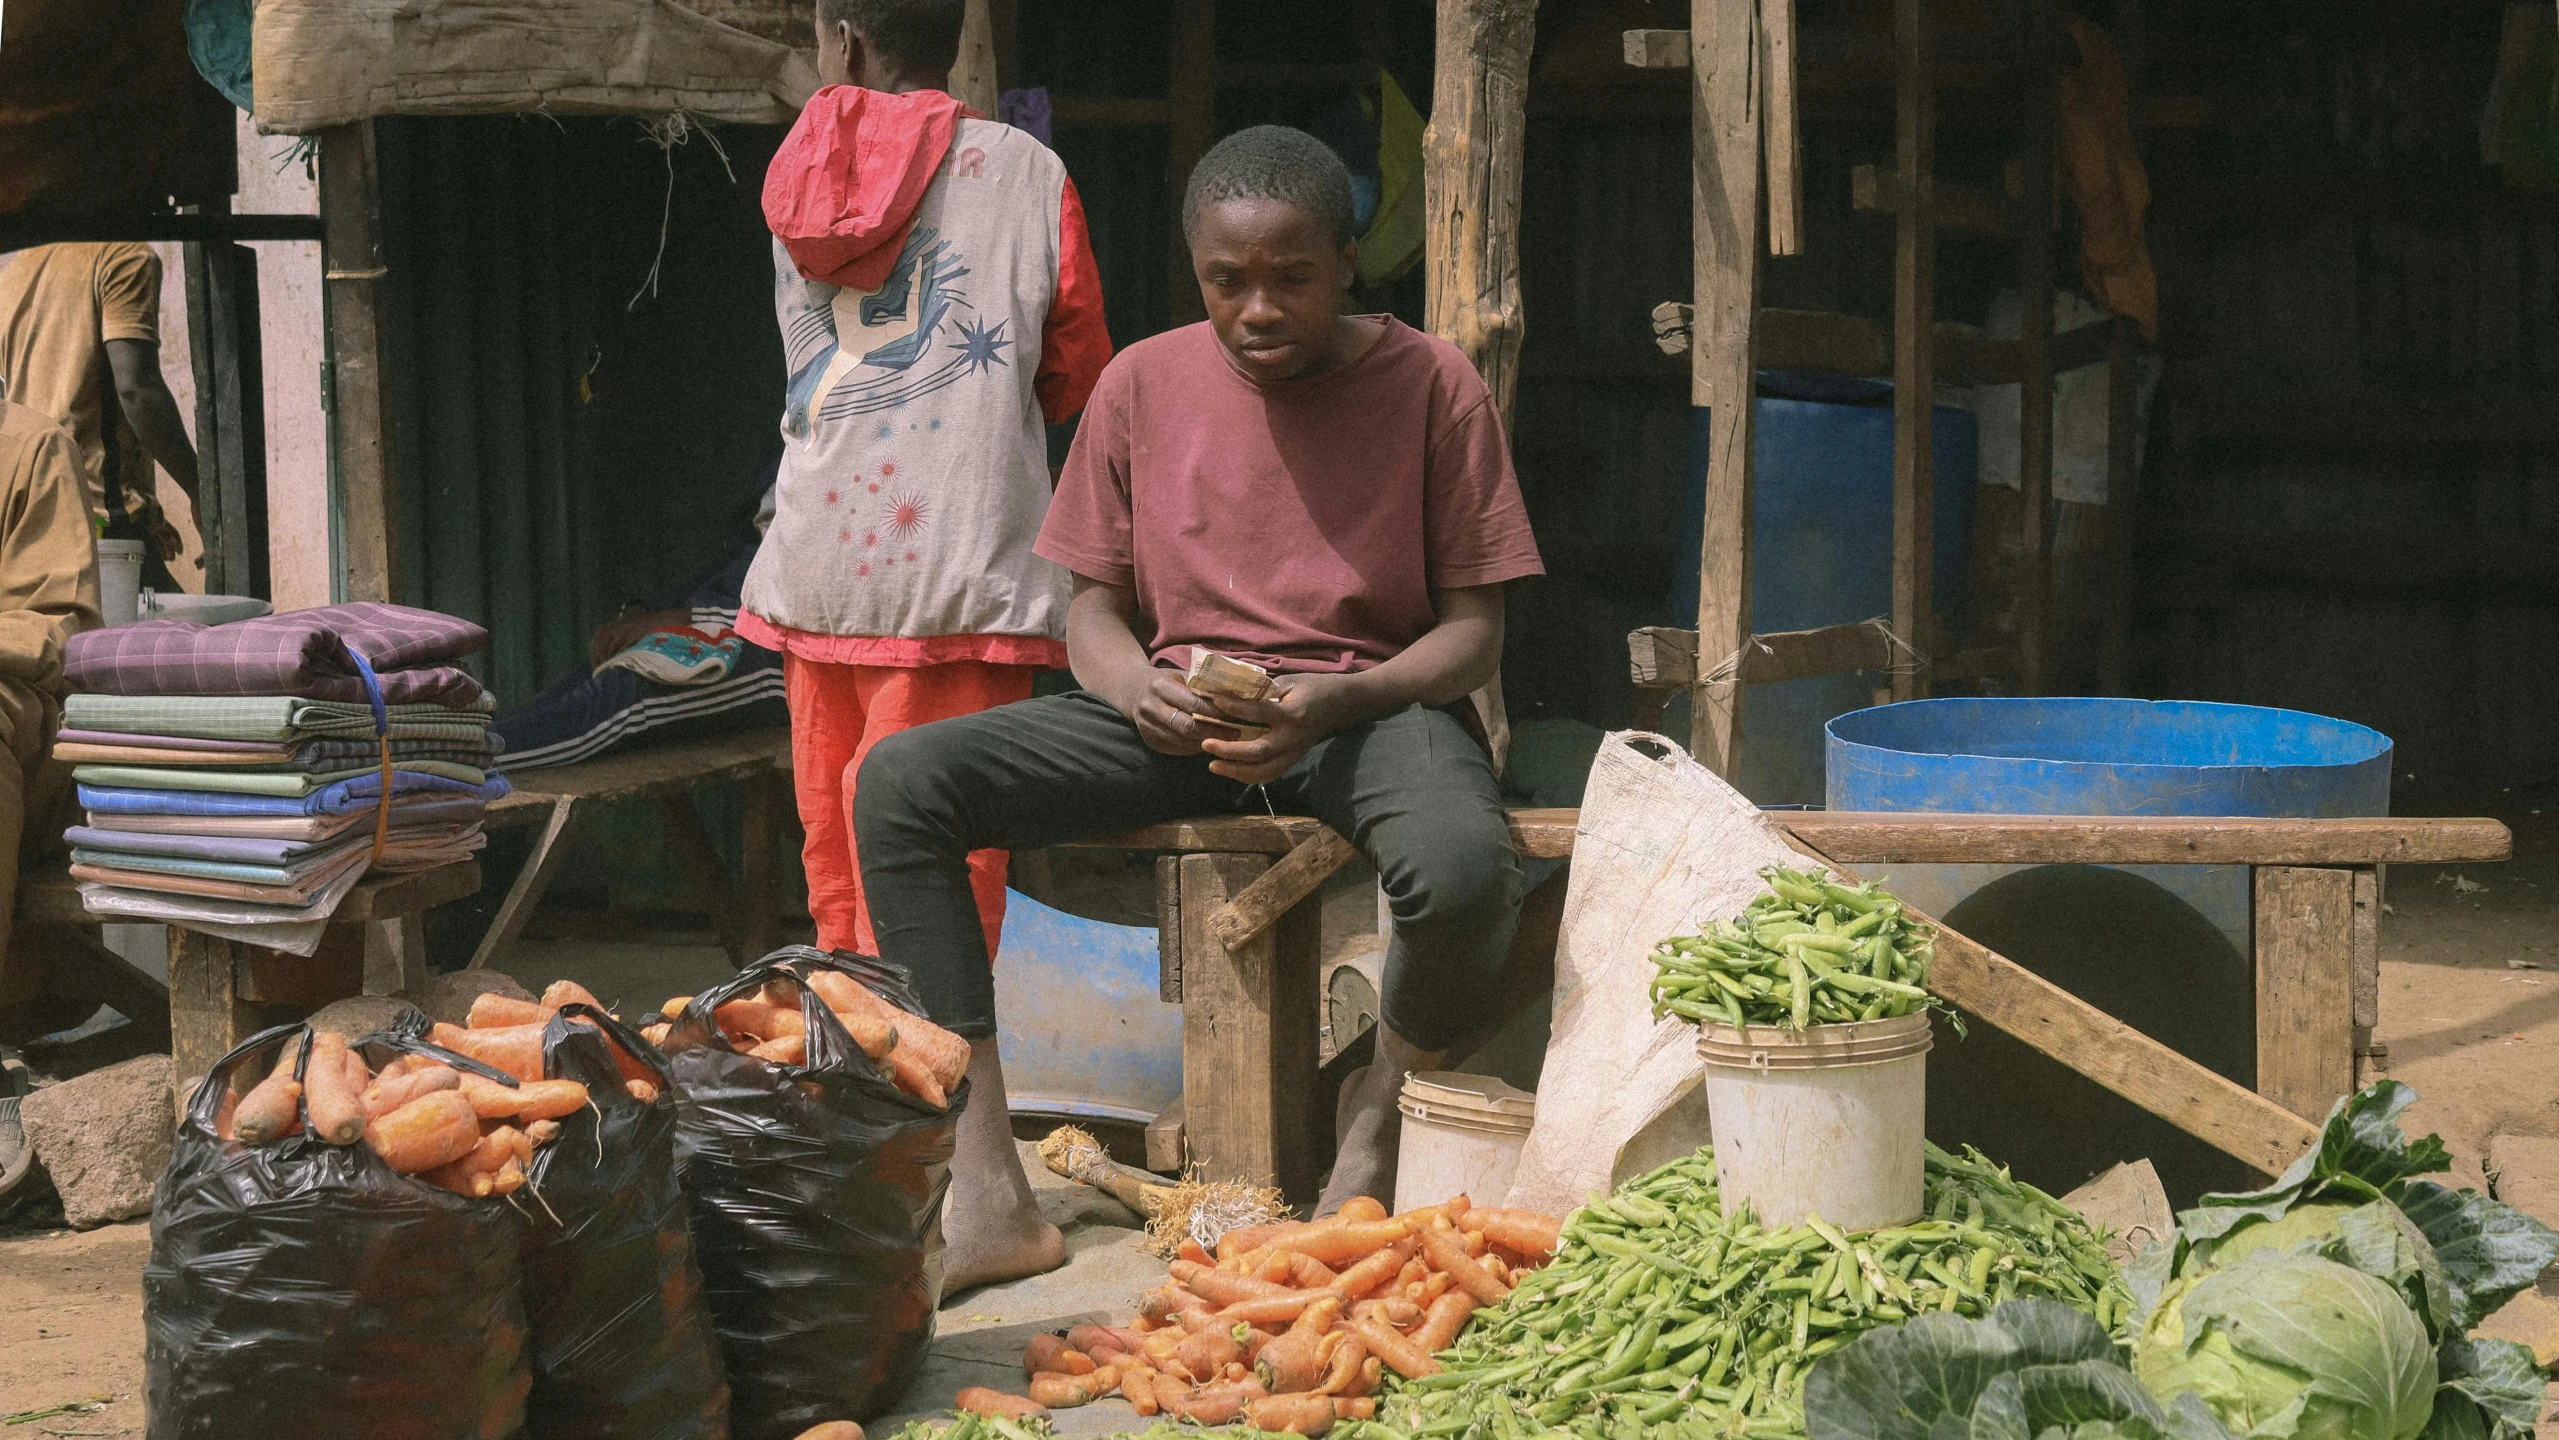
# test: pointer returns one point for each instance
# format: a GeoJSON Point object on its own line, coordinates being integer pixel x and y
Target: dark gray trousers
{"type": "Point", "coordinates": [1413, 790]}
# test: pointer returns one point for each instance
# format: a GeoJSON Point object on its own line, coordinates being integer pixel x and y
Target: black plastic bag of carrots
{"type": "Point", "coordinates": [817, 1203]}
{"type": "Point", "coordinates": [300, 1290]}
{"type": "Point", "coordinates": [622, 1343]}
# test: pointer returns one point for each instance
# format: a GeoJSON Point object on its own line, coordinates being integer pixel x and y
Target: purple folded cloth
{"type": "Point", "coordinates": [70, 736]}
{"type": "Point", "coordinates": [301, 653]}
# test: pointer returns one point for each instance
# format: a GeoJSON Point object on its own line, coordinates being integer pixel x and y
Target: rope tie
{"type": "Point", "coordinates": [382, 737]}
{"type": "Point", "coordinates": [1727, 675]}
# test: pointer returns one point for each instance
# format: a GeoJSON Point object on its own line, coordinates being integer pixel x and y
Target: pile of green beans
{"type": "Point", "coordinates": [1663, 1318]}
{"type": "Point", "coordinates": [1808, 951]}
{"type": "Point", "coordinates": [964, 1426]}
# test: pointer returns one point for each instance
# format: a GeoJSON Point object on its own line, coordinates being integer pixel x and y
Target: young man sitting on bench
{"type": "Point", "coordinates": [1325, 495]}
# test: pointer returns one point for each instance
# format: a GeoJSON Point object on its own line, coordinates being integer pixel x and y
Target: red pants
{"type": "Point", "coordinates": [838, 712]}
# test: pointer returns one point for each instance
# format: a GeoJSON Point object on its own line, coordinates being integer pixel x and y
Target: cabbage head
{"type": "Point", "coordinates": [2288, 1346]}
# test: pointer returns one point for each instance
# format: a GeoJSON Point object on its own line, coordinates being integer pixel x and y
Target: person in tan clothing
{"type": "Point", "coordinates": [73, 320]}
{"type": "Point", "coordinates": [48, 593]}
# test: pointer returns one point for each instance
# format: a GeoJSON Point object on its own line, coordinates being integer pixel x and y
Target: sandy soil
{"type": "Point", "coordinates": [2470, 1013]}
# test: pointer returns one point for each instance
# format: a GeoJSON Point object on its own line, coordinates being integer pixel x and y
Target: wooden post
{"type": "Point", "coordinates": [1191, 112]}
{"type": "Point", "coordinates": [230, 415]}
{"type": "Point", "coordinates": [973, 78]}
{"type": "Point", "coordinates": [1249, 1034]}
{"type": "Point", "coordinates": [359, 418]}
{"type": "Point", "coordinates": [1783, 133]}
{"type": "Point", "coordinates": [1723, 358]}
{"type": "Point", "coordinates": [2034, 345]}
{"type": "Point", "coordinates": [2305, 944]}
{"type": "Point", "coordinates": [207, 1013]}
{"type": "Point", "coordinates": [1470, 184]}
{"type": "Point", "coordinates": [2123, 481]}
{"type": "Point", "coordinates": [1914, 320]}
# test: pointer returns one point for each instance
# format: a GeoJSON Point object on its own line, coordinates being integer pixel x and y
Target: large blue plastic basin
{"type": "Point", "coordinates": [1084, 1030]}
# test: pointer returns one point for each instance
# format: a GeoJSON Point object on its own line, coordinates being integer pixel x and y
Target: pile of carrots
{"type": "Point", "coordinates": [1291, 1326]}
{"type": "Point", "coordinates": [448, 1126]}
{"type": "Point", "coordinates": [921, 1058]}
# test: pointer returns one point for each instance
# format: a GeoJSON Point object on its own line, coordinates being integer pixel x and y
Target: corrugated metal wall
{"type": "Point", "coordinates": [2356, 493]}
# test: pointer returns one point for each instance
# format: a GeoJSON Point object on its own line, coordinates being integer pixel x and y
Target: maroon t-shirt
{"type": "Point", "coordinates": [1302, 524]}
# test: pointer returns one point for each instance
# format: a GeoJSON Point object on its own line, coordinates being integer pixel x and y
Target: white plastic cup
{"type": "Point", "coordinates": [1829, 1120]}
{"type": "Point", "coordinates": [119, 580]}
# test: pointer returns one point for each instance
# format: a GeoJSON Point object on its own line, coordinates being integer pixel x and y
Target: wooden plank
{"type": "Point", "coordinates": [395, 955]}
{"type": "Point", "coordinates": [525, 896]}
{"type": "Point", "coordinates": [2305, 987]}
{"type": "Point", "coordinates": [973, 77]}
{"type": "Point", "coordinates": [1168, 929]}
{"type": "Point", "coordinates": [1968, 208]}
{"type": "Point", "coordinates": [1280, 888]}
{"type": "Point", "coordinates": [1780, 130]}
{"type": "Point", "coordinates": [1190, 115]}
{"type": "Point", "coordinates": [1657, 49]}
{"type": "Point", "coordinates": [1659, 657]}
{"type": "Point", "coordinates": [1902, 839]}
{"type": "Point", "coordinates": [388, 897]}
{"type": "Point", "coordinates": [2035, 334]}
{"type": "Point", "coordinates": [1914, 316]}
{"type": "Point", "coordinates": [207, 1014]}
{"type": "Point", "coordinates": [2367, 974]}
{"type": "Point", "coordinates": [1724, 362]}
{"type": "Point", "coordinates": [230, 416]}
{"type": "Point", "coordinates": [1249, 1035]}
{"type": "Point", "coordinates": [664, 769]}
{"type": "Point", "coordinates": [2123, 483]}
{"type": "Point", "coordinates": [1166, 1152]}
{"type": "Point", "coordinates": [359, 418]}
{"type": "Point", "coordinates": [1471, 173]}
{"type": "Point", "coordinates": [1838, 344]}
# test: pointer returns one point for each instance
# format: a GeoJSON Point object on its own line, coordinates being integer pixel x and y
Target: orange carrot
{"type": "Point", "coordinates": [644, 1091]}
{"type": "Point", "coordinates": [1318, 1318]}
{"type": "Point", "coordinates": [1217, 1404]}
{"type": "Point", "coordinates": [226, 1114]}
{"type": "Point", "coordinates": [1290, 1364]}
{"type": "Point", "coordinates": [515, 1049]}
{"type": "Point", "coordinates": [567, 992]}
{"type": "Point", "coordinates": [944, 1054]}
{"type": "Point", "coordinates": [1534, 1236]}
{"type": "Point", "coordinates": [1235, 1244]}
{"type": "Point", "coordinates": [476, 1173]}
{"type": "Point", "coordinates": [1443, 1320]}
{"type": "Point", "coordinates": [1220, 1287]}
{"type": "Point", "coordinates": [831, 1430]}
{"type": "Point", "coordinates": [914, 1076]}
{"type": "Point", "coordinates": [1340, 1242]}
{"type": "Point", "coordinates": [390, 1091]}
{"type": "Point", "coordinates": [508, 1180]}
{"type": "Point", "coordinates": [1379, 1267]}
{"type": "Point", "coordinates": [1343, 1370]}
{"type": "Point", "coordinates": [1394, 1310]}
{"type": "Point", "coordinates": [1406, 1358]}
{"type": "Point", "coordinates": [1042, 1353]}
{"type": "Point", "coordinates": [271, 1108]}
{"type": "Point", "coordinates": [1497, 1267]}
{"type": "Point", "coordinates": [1307, 1272]}
{"type": "Point", "coordinates": [1360, 1407]}
{"type": "Point", "coordinates": [1290, 1414]}
{"type": "Point", "coordinates": [536, 1100]}
{"type": "Point", "coordinates": [1415, 1271]}
{"type": "Point", "coordinates": [1433, 1286]}
{"type": "Point", "coordinates": [1060, 1392]}
{"type": "Point", "coordinates": [752, 1017]}
{"type": "Point", "coordinates": [1447, 1254]}
{"type": "Point", "coordinates": [1208, 1353]}
{"type": "Point", "coordinates": [1360, 1207]}
{"type": "Point", "coordinates": [490, 1010]}
{"type": "Point", "coordinates": [1190, 1250]}
{"type": "Point", "coordinates": [1137, 1386]}
{"type": "Point", "coordinates": [656, 1034]}
{"type": "Point", "coordinates": [784, 1050]}
{"type": "Point", "coordinates": [675, 1007]}
{"type": "Point", "coordinates": [432, 1130]}
{"type": "Point", "coordinates": [329, 1091]}
{"type": "Point", "coordinates": [1269, 1309]}
{"type": "Point", "coordinates": [996, 1405]}
{"type": "Point", "coordinates": [542, 1132]}
{"type": "Point", "coordinates": [1089, 1338]}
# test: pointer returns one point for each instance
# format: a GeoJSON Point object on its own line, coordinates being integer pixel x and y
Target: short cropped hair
{"type": "Point", "coordinates": [1273, 162]}
{"type": "Point", "coordinates": [913, 34]}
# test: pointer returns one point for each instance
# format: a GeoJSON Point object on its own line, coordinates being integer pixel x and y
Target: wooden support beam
{"type": "Point", "coordinates": [1781, 135]}
{"type": "Point", "coordinates": [1657, 49]}
{"type": "Point", "coordinates": [1260, 905]}
{"type": "Point", "coordinates": [1959, 207]}
{"type": "Point", "coordinates": [1471, 172]}
{"type": "Point", "coordinates": [1723, 364]}
{"type": "Point", "coordinates": [1661, 658]}
{"type": "Point", "coordinates": [973, 80]}
{"type": "Point", "coordinates": [2034, 339]}
{"type": "Point", "coordinates": [359, 419]}
{"type": "Point", "coordinates": [2305, 987]}
{"type": "Point", "coordinates": [1168, 929]}
{"type": "Point", "coordinates": [230, 415]}
{"type": "Point", "coordinates": [1190, 111]}
{"type": "Point", "coordinates": [1914, 317]}
{"type": "Point", "coordinates": [1248, 1034]}
{"type": "Point", "coordinates": [1858, 838]}
{"type": "Point", "coordinates": [207, 1012]}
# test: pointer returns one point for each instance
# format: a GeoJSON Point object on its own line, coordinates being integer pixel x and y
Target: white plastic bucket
{"type": "Point", "coordinates": [119, 580]}
{"type": "Point", "coordinates": [1462, 1136]}
{"type": "Point", "coordinates": [1828, 1120]}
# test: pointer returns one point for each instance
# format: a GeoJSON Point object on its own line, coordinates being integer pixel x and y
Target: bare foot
{"type": "Point", "coordinates": [991, 1225]}
{"type": "Point", "coordinates": [1369, 1129]}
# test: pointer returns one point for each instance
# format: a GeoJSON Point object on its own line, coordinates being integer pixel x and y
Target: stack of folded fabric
{"type": "Point", "coordinates": [234, 775]}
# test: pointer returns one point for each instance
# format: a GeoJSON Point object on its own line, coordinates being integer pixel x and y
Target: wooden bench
{"type": "Point", "coordinates": [1239, 954]}
{"type": "Point", "coordinates": [217, 988]}
{"type": "Point", "coordinates": [560, 798]}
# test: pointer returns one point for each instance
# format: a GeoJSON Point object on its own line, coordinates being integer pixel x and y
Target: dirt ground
{"type": "Point", "coordinates": [2470, 1013]}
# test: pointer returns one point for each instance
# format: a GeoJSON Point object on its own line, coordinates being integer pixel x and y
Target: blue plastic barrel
{"type": "Point", "coordinates": [1822, 550]}
{"type": "Point", "coordinates": [1084, 1031]}
{"type": "Point", "coordinates": [2164, 948]}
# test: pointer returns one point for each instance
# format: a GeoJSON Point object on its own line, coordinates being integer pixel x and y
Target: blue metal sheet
{"type": "Point", "coordinates": [1083, 1030]}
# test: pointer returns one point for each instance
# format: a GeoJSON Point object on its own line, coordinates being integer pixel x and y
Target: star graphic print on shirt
{"type": "Point", "coordinates": [877, 350]}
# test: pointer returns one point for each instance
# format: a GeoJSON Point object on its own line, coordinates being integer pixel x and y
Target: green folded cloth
{"type": "Point", "coordinates": [233, 782]}
{"type": "Point", "coordinates": [274, 718]}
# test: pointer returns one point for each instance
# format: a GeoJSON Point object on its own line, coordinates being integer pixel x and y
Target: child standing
{"type": "Point", "coordinates": [938, 302]}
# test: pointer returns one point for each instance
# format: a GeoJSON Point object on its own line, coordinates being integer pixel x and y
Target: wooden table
{"type": "Point", "coordinates": [375, 945]}
{"type": "Point", "coordinates": [559, 798]}
{"type": "Point", "coordinates": [1239, 954]}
